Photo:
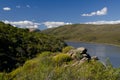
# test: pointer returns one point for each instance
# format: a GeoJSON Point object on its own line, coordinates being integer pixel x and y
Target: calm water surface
{"type": "Point", "coordinates": [102, 51]}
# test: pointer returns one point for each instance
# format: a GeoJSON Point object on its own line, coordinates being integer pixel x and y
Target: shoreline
{"type": "Point", "coordinates": [94, 43]}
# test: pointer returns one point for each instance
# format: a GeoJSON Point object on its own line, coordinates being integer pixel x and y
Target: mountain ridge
{"type": "Point", "coordinates": [107, 33]}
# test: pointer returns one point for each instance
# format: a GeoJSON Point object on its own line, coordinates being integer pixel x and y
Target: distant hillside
{"type": "Point", "coordinates": [34, 30]}
{"type": "Point", "coordinates": [88, 33]}
{"type": "Point", "coordinates": [18, 45]}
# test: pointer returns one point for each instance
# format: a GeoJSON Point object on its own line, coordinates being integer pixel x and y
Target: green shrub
{"type": "Point", "coordinates": [61, 57]}
{"type": "Point", "coordinates": [42, 68]}
{"type": "Point", "coordinates": [15, 72]}
{"type": "Point", "coordinates": [18, 45]}
{"type": "Point", "coordinates": [66, 49]}
{"type": "Point", "coordinates": [45, 54]}
{"type": "Point", "coordinates": [3, 76]}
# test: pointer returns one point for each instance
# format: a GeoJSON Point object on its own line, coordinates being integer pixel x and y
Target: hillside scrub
{"type": "Point", "coordinates": [18, 45]}
{"type": "Point", "coordinates": [67, 49]}
{"type": "Point", "coordinates": [43, 67]}
{"type": "Point", "coordinates": [37, 56]}
{"type": "Point", "coordinates": [60, 58]}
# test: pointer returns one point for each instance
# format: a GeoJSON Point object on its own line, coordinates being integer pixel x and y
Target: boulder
{"type": "Point", "coordinates": [80, 56]}
{"type": "Point", "coordinates": [78, 53]}
{"type": "Point", "coordinates": [82, 50]}
{"type": "Point", "coordinates": [84, 55]}
{"type": "Point", "coordinates": [71, 52]}
{"type": "Point", "coordinates": [94, 58]}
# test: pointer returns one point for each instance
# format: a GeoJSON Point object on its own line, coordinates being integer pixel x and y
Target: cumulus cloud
{"type": "Point", "coordinates": [6, 8]}
{"type": "Point", "coordinates": [55, 24]}
{"type": "Point", "coordinates": [98, 13]}
{"type": "Point", "coordinates": [31, 24]}
{"type": "Point", "coordinates": [104, 22]}
{"type": "Point", "coordinates": [28, 6]}
{"type": "Point", "coordinates": [23, 24]}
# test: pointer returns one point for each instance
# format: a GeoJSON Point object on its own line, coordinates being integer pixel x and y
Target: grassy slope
{"type": "Point", "coordinates": [88, 33]}
{"type": "Point", "coordinates": [43, 67]}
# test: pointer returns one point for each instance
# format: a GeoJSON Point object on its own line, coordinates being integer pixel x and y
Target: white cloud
{"type": "Point", "coordinates": [104, 22]}
{"type": "Point", "coordinates": [28, 6]}
{"type": "Point", "coordinates": [31, 24]}
{"type": "Point", "coordinates": [55, 24]}
{"type": "Point", "coordinates": [23, 24]}
{"type": "Point", "coordinates": [99, 12]}
{"type": "Point", "coordinates": [6, 8]}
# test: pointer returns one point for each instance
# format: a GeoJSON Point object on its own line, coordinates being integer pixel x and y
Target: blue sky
{"type": "Point", "coordinates": [52, 13]}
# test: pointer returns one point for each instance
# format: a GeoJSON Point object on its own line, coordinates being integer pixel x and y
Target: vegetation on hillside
{"type": "Point", "coordinates": [45, 67]}
{"type": "Point", "coordinates": [37, 56]}
{"type": "Point", "coordinates": [88, 33]}
{"type": "Point", "coordinates": [18, 45]}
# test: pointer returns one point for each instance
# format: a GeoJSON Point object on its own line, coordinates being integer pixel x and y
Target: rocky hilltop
{"type": "Point", "coordinates": [80, 55]}
{"type": "Point", "coordinates": [70, 64]}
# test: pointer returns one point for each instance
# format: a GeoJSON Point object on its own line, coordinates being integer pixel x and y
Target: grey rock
{"type": "Point", "coordinates": [82, 50]}
{"type": "Point", "coordinates": [94, 58]}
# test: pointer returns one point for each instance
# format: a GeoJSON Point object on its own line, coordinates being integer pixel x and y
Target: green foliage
{"type": "Point", "coordinates": [61, 58]}
{"type": "Point", "coordinates": [3, 76]}
{"type": "Point", "coordinates": [35, 69]}
{"type": "Point", "coordinates": [18, 45]}
{"type": "Point", "coordinates": [66, 49]}
{"type": "Point", "coordinates": [88, 33]}
{"type": "Point", "coordinates": [43, 67]}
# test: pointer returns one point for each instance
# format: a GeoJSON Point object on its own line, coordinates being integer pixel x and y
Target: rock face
{"type": "Point", "coordinates": [94, 58]}
{"type": "Point", "coordinates": [82, 50]}
{"type": "Point", "coordinates": [81, 55]}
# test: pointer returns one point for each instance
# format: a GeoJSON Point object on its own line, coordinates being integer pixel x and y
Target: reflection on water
{"type": "Point", "coordinates": [102, 51]}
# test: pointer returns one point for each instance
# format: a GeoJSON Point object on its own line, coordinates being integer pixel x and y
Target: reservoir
{"type": "Point", "coordinates": [103, 51]}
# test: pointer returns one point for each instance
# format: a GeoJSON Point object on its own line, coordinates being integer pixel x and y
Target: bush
{"type": "Point", "coordinates": [61, 57]}
{"type": "Point", "coordinates": [3, 76]}
{"type": "Point", "coordinates": [18, 45]}
{"type": "Point", "coordinates": [66, 49]}
{"type": "Point", "coordinates": [15, 72]}
{"type": "Point", "coordinates": [45, 54]}
{"type": "Point", "coordinates": [44, 68]}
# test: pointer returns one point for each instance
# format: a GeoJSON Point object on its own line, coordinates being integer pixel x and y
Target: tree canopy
{"type": "Point", "coordinates": [18, 45]}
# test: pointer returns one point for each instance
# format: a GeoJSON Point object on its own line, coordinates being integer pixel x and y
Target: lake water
{"type": "Point", "coordinates": [101, 50]}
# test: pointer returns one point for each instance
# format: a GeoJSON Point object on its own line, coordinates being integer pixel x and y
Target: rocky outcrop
{"type": "Point", "coordinates": [80, 54]}
{"type": "Point", "coordinates": [94, 58]}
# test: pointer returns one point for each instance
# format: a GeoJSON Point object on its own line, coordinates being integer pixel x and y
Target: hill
{"type": "Point", "coordinates": [61, 66]}
{"type": "Point", "coordinates": [39, 56]}
{"type": "Point", "coordinates": [107, 33]}
{"type": "Point", "coordinates": [18, 45]}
